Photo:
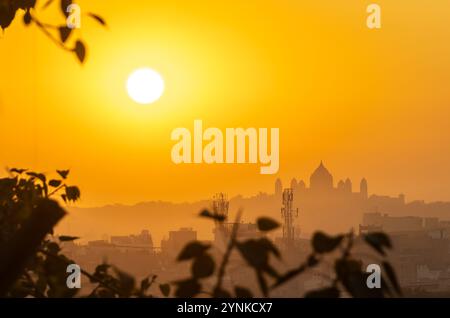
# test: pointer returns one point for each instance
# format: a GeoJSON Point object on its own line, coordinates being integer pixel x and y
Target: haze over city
{"type": "Point", "coordinates": [369, 103]}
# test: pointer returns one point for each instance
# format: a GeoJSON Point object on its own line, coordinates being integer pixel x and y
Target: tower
{"type": "Point", "coordinates": [288, 213]}
{"type": "Point", "coordinates": [278, 187]}
{"type": "Point", "coordinates": [220, 204]}
{"type": "Point", "coordinates": [363, 188]}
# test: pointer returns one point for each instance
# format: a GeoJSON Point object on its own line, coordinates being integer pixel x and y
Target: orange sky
{"type": "Point", "coordinates": [370, 103]}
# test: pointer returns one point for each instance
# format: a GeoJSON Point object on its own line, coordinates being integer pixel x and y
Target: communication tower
{"type": "Point", "coordinates": [288, 213]}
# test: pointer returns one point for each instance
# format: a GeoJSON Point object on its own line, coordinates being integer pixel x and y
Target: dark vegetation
{"type": "Point", "coordinates": [59, 33]}
{"type": "Point", "coordinates": [349, 276]}
{"type": "Point", "coordinates": [33, 264]}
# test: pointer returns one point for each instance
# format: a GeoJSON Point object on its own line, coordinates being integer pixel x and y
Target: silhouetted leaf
{"type": "Point", "coordinates": [146, 283]}
{"type": "Point", "coordinates": [101, 271]}
{"type": "Point", "coordinates": [187, 288]}
{"type": "Point", "coordinates": [322, 243]}
{"type": "Point", "coordinates": [203, 266]}
{"type": "Point", "coordinates": [65, 238]}
{"type": "Point", "coordinates": [25, 4]}
{"type": "Point", "coordinates": [98, 18]}
{"type": "Point", "coordinates": [193, 250]}
{"type": "Point", "coordinates": [312, 261]}
{"type": "Point", "coordinates": [7, 13]}
{"type": "Point", "coordinates": [378, 240]}
{"type": "Point", "coordinates": [54, 183]}
{"type": "Point", "coordinates": [53, 248]}
{"type": "Point", "coordinates": [385, 287]}
{"type": "Point", "coordinates": [329, 292]}
{"type": "Point", "coordinates": [39, 176]}
{"type": "Point", "coordinates": [270, 247]}
{"type": "Point", "coordinates": [16, 252]}
{"type": "Point", "coordinates": [64, 4]}
{"type": "Point", "coordinates": [27, 17]}
{"type": "Point", "coordinates": [80, 51]}
{"type": "Point", "coordinates": [64, 33]}
{"type": "Point", "coordinates": [255, 253]}
{"type": "Point", "coordinates": [350, 274]}
{"type": "Point", "coordinates": [215, 216]}
{"type": "Point", "coordinates": [63, 173]}
{"type": "Point", "coordinates": [165, 289]}
{"type": "Point", "coordinates": [242, 292]}
{"type": "Point", "coordinates": [389, 270]}
{"type": "Point", "coordinates": [267, 224]}
{"type": "Point", "coordinates": [127, 282]}
{"type": "Point", "coordinates": [72, 193]}
{"type": "Point", "coordinates": [18, 171]}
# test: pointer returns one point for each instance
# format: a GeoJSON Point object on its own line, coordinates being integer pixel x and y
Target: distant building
{"type": "Point", "coordinates": [324, 206]}
{"type": "Point", "coordinates": [99, 243]}
{"type": "Point", "coordinates": [142, 240]}
{"type": "Point", "coordinates": [177, 240]}
{"type": "Point", "coordinates": [388, 223]}
{"type": "Point", "coordinates": [339, 207]}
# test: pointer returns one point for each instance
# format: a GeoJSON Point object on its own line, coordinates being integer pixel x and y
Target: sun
{"type": "Point", "coordinates": [145, 86]}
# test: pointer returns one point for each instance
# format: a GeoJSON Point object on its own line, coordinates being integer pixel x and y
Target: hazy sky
{"type": "Point", "coordinates": [370, 103]}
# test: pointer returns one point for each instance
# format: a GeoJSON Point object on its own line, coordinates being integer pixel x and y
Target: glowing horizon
{"type": "Point", "coordinates": [370, 103]}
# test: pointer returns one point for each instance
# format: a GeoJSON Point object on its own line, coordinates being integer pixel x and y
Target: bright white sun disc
{"type": "Point", "coordinates": [145, 86]}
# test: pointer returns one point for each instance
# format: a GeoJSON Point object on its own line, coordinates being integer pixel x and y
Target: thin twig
{"type": "Point", "coordinates": [56, 190]}
{"type": "Point", "coordinates": [226, 256]}
{"type": "Point", "coordinates": [43, 28]}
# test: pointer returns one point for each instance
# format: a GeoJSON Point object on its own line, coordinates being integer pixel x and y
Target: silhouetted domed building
{"type": "Point", "coordinates": [323, 206]}
{"type": "Point", "coordinates": [321, 179]}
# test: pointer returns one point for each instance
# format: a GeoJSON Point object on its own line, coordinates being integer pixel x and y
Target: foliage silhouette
{"type": "Point", "coordinates": [33, 263]}
{"type": "Point", "coordinates": [59, 34]}
{"type": "Point", "coordinates": [349, 276]}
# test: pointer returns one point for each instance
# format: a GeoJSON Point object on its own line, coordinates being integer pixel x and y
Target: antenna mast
{"type": "Point", "coordinates": [288, 213]}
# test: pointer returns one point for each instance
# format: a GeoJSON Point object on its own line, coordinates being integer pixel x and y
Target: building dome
{"type": "Point", "coordinates": [321, 178]}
